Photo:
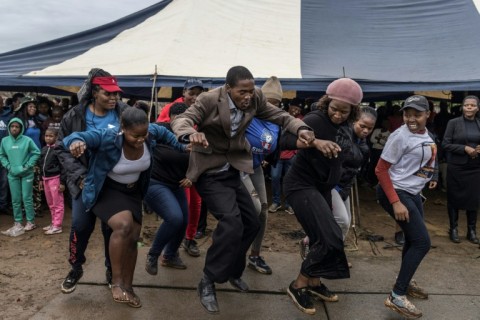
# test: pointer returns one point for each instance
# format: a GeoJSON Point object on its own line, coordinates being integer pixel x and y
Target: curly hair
{"type": "Point", "coordinates": [325, 101]}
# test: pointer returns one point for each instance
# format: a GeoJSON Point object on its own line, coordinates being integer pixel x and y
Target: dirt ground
{"type": "Point", "coordinates": [33, 265]}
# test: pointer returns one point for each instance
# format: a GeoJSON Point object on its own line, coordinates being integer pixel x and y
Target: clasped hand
{"type": "Point", "coordinates": [198, 138]}
{"type": "Point", "coordinates": [77, 148]}
{"type": "Point", "coordinates": [328, 148]}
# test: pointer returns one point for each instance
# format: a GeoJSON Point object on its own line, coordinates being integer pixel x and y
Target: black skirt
{"type": "Point", "coordinates": [462, 185]}
{"type": "Point", "coordinates": [116, 197]}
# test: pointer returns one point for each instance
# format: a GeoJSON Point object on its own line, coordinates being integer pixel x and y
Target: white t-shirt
{"type": "Point", "coordinates": [128, 171]}
{"type": "Point", "coordinates": [412, 156]}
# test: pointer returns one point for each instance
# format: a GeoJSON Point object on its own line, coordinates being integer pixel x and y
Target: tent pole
{"type": "Point", "coordinates": [154, 95]}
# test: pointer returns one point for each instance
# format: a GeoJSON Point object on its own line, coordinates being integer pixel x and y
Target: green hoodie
{"type": "Point", "coordinates": [18, 155]}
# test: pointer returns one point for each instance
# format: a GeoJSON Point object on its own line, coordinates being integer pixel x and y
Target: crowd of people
{"type": "Point", "coordinates": [209, 150]}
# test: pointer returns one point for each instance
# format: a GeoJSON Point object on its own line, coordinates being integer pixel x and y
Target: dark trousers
{"type": "Point", "coordinates": [228, 200]}
{"type": "Point", "coordinates": [83, 224]}
{"type": "Point", "coordinates": [417, 241]}
{"type": "Point", "coordinates": [326, 258]}
{"type": "Point", "coordinates": [202, 220]}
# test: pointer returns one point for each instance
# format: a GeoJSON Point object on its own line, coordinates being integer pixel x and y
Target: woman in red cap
{"type": "Point", "coordinates": [99, 107]}
{"type": "Point", "coordinates": [308, 185]}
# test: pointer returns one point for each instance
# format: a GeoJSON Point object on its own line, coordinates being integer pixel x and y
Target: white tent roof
{"type": "Point", "coordinates": [182, 40]}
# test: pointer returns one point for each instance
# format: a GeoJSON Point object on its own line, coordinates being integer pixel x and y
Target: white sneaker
{"type": "Point", "coordinates": [53, 230]}
{"type": "Point", "coordinates": [274, 207]}
{"type": "Point", "coordinates": [47, 228]}
{"type": "Point", "coordinates": [14, 231]}
{"type": "Point", "coordinates": [30, 226]}
{"type": "Point", "coordinates": [403, 306]}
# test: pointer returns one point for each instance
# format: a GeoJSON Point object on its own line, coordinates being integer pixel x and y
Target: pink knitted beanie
{"type": "Point", "coordinates": [346, 90]}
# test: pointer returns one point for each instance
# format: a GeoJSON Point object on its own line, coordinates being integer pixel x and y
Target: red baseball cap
{"type": "Point", "coordinates": [108, 84]}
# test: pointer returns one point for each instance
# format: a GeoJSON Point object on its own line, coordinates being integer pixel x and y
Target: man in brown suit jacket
{"type": "Point", "coordinates": [219, 152]}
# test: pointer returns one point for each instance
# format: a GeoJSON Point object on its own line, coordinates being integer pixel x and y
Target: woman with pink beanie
{"type": "Point", "coordinates": [308, 185]}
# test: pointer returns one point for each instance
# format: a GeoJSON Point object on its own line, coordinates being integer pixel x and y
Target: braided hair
{"type": "Point", "coordinates": [85, 94]}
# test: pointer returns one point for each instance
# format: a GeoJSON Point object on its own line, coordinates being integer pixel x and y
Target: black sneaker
{"type": "Point", "coordinates": [108, 276]}
{"type": "Point", "coordinates": [191, 247]}
{"type": "Point", "coordinates": [323, 293]}
{"type": "Point", "coordinates": [258, 264]}
{"type": "Point", "coordinates": [400, 238]}
{"type": "Point", "coordinates": [151, 265]}
{"type": "Point", "coordinates": [301, 299]}
{"type": "Point", "coordinates": [70, 283]}
{"type": "Point", "coordinates": [173, 262]}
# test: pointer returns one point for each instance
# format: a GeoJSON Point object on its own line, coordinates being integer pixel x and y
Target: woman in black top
{"type": "Point", "coordinates": [462, 144]}
{"type": "Point", "coordinates": [308, 186]}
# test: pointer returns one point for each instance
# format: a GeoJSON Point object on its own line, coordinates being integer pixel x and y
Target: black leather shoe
{"type": "Point", "coordinates": [208, 298]}
{"type": "Point", "coordinates": [472, 235]}
{"type": "Point", "coordinates": [454, 235]}
{"type": "Point", "coordinates": [239, 284]}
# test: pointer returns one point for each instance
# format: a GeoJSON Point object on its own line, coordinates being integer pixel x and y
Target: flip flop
{"type": "Point", "coordinates": [134, 301]}
{"type": "Point", "coordinates": [123, 298]}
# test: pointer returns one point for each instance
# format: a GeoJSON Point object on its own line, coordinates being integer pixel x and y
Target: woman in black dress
{"type": "Point", "coordinates": [462, 144]}
{"type": "Point", "coordinates": [308, 185]}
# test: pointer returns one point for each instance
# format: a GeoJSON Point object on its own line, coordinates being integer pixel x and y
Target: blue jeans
{"type": "Point", "coordinates": [171, 205]}
{"type": "Point", "coordinates": [83, 224]}
{"type": "Point", "coordinates": [417, 241]}
{"type": "Point", "coordinates": [276, 174]}
{"type": "Point", "coordinates": [3, 188]}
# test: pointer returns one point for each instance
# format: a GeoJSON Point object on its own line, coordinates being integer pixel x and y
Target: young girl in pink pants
{"type": "Point", "coordinates": [53, 186]}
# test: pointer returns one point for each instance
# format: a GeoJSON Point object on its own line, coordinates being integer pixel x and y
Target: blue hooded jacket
{"type": "Point", "coordinates": [5, 117]}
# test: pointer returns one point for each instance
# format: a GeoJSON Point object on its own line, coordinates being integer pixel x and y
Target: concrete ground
{"type": "Point", "coordinates": [451, 280]}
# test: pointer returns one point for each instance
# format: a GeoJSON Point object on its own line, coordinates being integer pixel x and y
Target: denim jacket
{"type": "Point", "coordinates": [105, 149]}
